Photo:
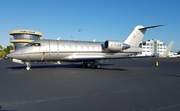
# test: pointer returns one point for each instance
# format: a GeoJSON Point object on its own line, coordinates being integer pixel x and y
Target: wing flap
{"type": "Point", "coordinates": [91, 58]}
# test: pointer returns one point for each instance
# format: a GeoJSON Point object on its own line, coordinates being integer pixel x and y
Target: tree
{"type": "Point", "coordinates": [5, 51]}
{"type": "Point", "coordinates": [1, 47]}
{"type": "Point", "coordinates": [2, 54]}
{"type": "Point", "coordinates": [8, 48]}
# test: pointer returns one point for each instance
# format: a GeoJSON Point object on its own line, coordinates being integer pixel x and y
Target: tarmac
{"type": "Point", "coordinates": [122, 85]}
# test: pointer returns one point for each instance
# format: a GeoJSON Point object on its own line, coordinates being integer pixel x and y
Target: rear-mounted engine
{"type": "Point", "coordinates": [115, 46]}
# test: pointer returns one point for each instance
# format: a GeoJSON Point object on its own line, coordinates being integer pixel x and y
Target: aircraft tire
{"type": "Point", "coordinates": [98, 66]}
{"type": "Point", "coordinates": [28, 68]}
{"type": "Point", "coordinates": [86, 64]}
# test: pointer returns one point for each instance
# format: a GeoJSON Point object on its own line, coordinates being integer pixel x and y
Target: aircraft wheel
{"type": "Point", "coordinates": [86, 64]}
{"type": "Point", "coordinates": [98, 66]}
{"type": "Point", "coordinates": [28, 68]}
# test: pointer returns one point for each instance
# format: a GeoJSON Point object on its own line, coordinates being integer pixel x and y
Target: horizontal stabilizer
{"type": "Point", "coordinates": [150, 27]}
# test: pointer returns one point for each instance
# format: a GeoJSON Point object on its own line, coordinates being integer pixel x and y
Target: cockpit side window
{"type": "Point", "coordinates": [35, 44]}
{"type": "Point", "coordinates": [29, 44]}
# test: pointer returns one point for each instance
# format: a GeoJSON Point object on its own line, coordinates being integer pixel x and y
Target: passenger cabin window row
{"type": "Point", "coordinates": [80, 47]}
{"type": "Point", "coordinates": [69, 46]}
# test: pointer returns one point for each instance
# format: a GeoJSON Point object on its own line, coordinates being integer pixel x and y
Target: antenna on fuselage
{"type": "Point", "coordinates": [58, 38]}
{"type": "Point", "coordinates": [94, 40]}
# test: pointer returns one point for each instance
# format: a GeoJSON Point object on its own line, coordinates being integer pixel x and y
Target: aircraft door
{"type": "Point", "coordinates": [54, 51]}
{"type": "Point", "coordinates": [44, 50]}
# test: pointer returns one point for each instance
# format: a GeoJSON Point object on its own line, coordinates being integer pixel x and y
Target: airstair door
{"type": "Point", "coordinates": [54, 51]}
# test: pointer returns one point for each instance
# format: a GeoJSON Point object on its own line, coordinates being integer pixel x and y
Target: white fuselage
{"type": "Point", "coordinates": [80, 51]}
{"type": "Point", "coordinates": [53, 50]}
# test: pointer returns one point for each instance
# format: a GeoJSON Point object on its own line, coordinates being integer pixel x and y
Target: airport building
{"type": "Point", "coordinates": [22, 37]}
{"type": "Point", "coordinates": [152, 48]}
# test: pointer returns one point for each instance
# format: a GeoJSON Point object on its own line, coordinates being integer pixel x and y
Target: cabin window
{"type": "Point", "coordinates": [63, 46]}
{"type": "Point", "coordinates": [35, 44]}
{"type": "Point", "coordinates": [75, 47]}
{"type": "Point", "coordinates": [87, 47]}
{"type": "Point", "coordinates": [93, 47]}
{"type": "Point", "coordinates": [69, 46]}
{"type": "Point", "coordinates": [96, 48]}
{"type": "Point", "coordinates": [81, 47]}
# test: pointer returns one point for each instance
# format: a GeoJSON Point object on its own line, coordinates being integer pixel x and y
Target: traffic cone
{"type": "Point", "coordinates": [157, 64]}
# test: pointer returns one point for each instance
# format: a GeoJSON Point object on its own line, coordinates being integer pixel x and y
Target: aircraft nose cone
{"type": "Point", "coordinates": [10, 55]}
{"type": "Point", "coordinates": [15, 54]}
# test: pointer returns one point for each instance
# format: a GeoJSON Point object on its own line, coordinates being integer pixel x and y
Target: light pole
{"type": "Point", "coordinates": [72, 37]}
{"type": "Point", "coordinates": [80, 30]}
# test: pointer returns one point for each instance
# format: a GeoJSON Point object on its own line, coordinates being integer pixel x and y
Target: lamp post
{"type": "Point", "coordinates": [72, 37]}
{"type": "Point", "coordinates": [80, 30]}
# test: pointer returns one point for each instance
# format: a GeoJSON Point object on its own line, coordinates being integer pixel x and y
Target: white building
{"type": "Point", "coordinates": [152, 48]}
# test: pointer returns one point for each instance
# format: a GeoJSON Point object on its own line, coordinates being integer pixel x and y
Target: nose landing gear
{"type": "Point", "coordinates": [28, 66]}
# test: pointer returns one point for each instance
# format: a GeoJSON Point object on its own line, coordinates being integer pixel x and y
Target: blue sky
{"type": "Point", "coordinates": [100, 19]}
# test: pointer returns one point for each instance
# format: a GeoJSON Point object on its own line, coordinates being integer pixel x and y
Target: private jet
{"type": "Point", "coordinates": [88, 52]}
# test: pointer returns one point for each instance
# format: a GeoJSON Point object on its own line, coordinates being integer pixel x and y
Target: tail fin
{"type": "Point", "coordinates": [165, 54]}
{"type": "Point", "coordinates": [137, 35]}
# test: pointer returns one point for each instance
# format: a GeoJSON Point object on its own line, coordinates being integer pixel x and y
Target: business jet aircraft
{"type": "Point", "coordinates": [80, 51]}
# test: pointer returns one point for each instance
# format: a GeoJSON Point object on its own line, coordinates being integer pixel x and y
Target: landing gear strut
{"type": "Point", "coordinates": [28, 66]}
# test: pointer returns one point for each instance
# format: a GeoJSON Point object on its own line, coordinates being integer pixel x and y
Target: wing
{"type": "Point", "coordinates": [92, 58]}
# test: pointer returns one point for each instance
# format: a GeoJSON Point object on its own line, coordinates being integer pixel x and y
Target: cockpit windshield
{"type": "Point", "coordinates": [33, 44]}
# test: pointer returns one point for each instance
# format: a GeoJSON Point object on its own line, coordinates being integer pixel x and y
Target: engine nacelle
{"type": "Point", "coordinates": [115, 46]}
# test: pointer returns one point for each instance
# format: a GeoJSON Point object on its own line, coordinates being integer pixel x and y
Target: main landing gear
{"type": "Point", "coordinates": [28, 66]}
{"type": "Point", "coordinates": [97, 65]}
{"type": "Point", "coordinates": [87, 64]}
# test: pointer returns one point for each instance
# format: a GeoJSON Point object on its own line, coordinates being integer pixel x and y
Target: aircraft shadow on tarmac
{"type": "Point", "coordinates": [172, 75]}
{"type": "Point", "coordinates": [5, 110]}
{"type": "Point", "coordinates": [66, 66]}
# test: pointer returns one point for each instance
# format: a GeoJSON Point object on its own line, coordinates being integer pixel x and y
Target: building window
{"type": "Point", "coordinates": [19, 45]}
{"type": "Point", "coordinates": [26, 36]}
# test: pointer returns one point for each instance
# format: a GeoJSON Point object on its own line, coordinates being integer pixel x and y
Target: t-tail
{"type": "Point", "coordinates": [137, 35]}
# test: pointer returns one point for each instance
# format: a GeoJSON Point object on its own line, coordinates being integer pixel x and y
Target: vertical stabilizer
{"type": "Point", "coordinates": [166, 52]}
{"type": "Point", "coordinates": [137, 35]}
